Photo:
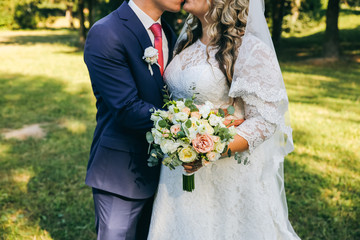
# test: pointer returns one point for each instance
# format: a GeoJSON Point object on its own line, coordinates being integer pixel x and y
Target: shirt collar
{"type": "Point", "coordinates": [145, 19]}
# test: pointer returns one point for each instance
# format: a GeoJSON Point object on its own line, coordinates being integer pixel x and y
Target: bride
{"type": "Point", "coordinates": [226, 56]}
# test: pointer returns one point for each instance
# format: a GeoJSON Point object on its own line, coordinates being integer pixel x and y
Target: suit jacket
{"type": "Point", "coordinates": [125, 92]}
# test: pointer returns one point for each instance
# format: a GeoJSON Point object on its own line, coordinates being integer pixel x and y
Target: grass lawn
{"type": "Point", "coordinates": [44, 80]}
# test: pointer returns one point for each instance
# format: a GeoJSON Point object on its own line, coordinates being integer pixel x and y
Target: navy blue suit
{"type": "Point", "coordinates": [125, 92]}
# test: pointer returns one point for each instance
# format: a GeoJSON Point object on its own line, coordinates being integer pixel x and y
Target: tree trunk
{"type": "Point", "coordinates": [69, 14]}
{"type": "Point", "coordinates": [82, 22]}
{"type": "Point", "coordinates": [295, 12]}
{"type": "Point", "coordinates": [91, 14]}
{"type": "Point", "coordinates": [332, 43]}
{"type": "Point", "coordinates": [277, 17]}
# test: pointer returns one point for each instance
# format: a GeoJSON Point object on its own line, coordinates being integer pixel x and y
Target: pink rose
{"type": "Point", "coordinates": [186, 110]}
{"type": "Point", "coordinates": [175, 129]}
{"type": "Point", "coordinates": [195, 115]}
{"type": "Point", "coordinates": [203, 143]}
{"type": "Point", "coordinates": [166, 133]}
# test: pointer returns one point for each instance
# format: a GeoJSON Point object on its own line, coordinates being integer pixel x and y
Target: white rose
{"type": "Point", "coordinates": [187, 155]}
{"type": "Point", "coordinates": [180, 105]}
{"type": "Point", "coordinates": [180, 117]}
{"type": "Point", "coordinates": [204, 111]}
{"type": "Point", "coordinates": [154, 118]}
{"type": "Point", "coordinates": [219, 147]}
{"type": "Point", "coordinates": [191, 134]}
{"type": "Point", "coordinates": [157, 136]}
{"type": "Point", "coordinates": [164, 114]}
{"type": "Point", "coordinates": [209, 129]}
{"type": "Point", "coordinates": [214, 120]}
{"type": "Point", "coordinates": [213, 156]}
{"type": "Point", "coordinates": [182, 144]}
{"type": "Point", "coordinates": [168, 146]}
{"type": "Point", "coordinates": [151, 55]}
{"type": "Point", "coordinates": [195, 123]}
{"type": "Point", "coordinates": [202, 129]}
{"type": "Point", "coordinates": [172, 109]}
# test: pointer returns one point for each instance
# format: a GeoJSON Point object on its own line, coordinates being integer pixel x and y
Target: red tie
{"type": "Point", "coordinates": [156, 30]}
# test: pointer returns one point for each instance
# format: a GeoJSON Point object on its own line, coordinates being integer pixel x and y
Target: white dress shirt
{"type": "Point", "coordinates": [148, 22]}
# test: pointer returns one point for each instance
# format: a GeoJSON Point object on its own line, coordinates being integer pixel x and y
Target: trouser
{"type": "Point", "coordinates": [121, 218]}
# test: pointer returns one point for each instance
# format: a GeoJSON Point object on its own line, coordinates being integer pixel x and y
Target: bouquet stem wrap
{"type": "Point", "coordinates": [188, 182]}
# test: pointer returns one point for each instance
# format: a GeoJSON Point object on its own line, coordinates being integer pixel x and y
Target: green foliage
{"type": "Point", "coordinates": [104, 7]}
{"type": "Point", "coordinates": [6, 13]}
{"type": "Point", "coordinates": [353, 3]}
{"type": "Point", "coordinates": [25, 14]}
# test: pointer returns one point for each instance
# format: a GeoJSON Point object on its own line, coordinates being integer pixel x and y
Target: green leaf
{"type": "Point", "coordinates": [186, 131]}
{"type": "Point", "coordinates": [188, 103]}
{"type": "Point", "coordinates": [149, 137]}
{"type": "Point", "coordinates": [229, 152]}
{"type": "Point", "coordinates": [193, 108]}
{"type": "Point", "coordinates": [162, 123]}
{"type": "Point", "coordinates": [188, 123]}
{"type": "Point", "coordinates": [221, 112]}
{"type": "Point", "coordinates": [152, 162]}
{"type": "Point", "coordinates": [238, 157]}
{"type": "Point", "coordinates": [231, 110]}
{"type": "Point", "coordinates": [181, 134]}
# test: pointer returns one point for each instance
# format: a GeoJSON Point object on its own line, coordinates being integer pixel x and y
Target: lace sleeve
{"type": "Point", "coordinates": [255, 129]}
{"type": "Point", "coordinates": [258, 82]}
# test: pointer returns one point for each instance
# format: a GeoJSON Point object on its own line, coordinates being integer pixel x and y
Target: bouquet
{"type": "Point", "coordinates": [185, 133]}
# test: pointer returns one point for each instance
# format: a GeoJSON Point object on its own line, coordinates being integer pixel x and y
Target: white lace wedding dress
{"type": "Point", "coordinates": [230, 200]}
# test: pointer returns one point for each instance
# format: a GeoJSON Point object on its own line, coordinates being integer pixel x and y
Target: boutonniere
{"type": "Point", "coordinates": [151, 56]}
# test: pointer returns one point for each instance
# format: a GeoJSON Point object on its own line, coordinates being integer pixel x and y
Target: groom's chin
{"type": "Point", "coordinates": [176, 5]}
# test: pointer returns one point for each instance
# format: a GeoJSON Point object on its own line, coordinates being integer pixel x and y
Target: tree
{"type": "Point", "coordinates": [83, 30]}
{"type": "Point", "coordinates": [332, 44]}
{"type": "Point", "coordinates": [277, 20]}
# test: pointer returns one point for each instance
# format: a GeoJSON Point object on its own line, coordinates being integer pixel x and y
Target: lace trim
{"type": "Point", "coordinates": [272, 94]}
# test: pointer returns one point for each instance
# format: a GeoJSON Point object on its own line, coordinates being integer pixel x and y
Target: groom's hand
{"type": "Point", "coordinates": [193, 166]}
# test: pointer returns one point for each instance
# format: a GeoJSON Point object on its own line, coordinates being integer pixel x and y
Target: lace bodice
{"type": "Point", "coordinates": [190, 72]}
{"type": "Point", "coordinates": [194, 72]}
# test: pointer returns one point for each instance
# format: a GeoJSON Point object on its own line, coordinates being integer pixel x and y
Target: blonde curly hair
{"type": "Point", "coordinates": [227, 26]}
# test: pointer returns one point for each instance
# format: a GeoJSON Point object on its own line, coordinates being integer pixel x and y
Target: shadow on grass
{"type": "Point", "coordinates": [334, 86]}
{"type": "Point", "coordinates": [303, 48]}
{"type": "Point", "coordinates": [64, 37]}
{"type": "Point", "coordinates": [42, 181]}
{"type": "Point", "coordinates": [310, 211]}
{"type": "Point", "coordinates": [320, 207]}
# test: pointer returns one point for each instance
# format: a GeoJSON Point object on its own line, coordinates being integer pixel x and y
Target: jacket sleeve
{"type": "Point", "coordinates": [110, 74]}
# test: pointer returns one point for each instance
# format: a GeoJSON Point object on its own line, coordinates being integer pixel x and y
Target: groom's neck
{"type": "Point", "coordinates": [150, 8]}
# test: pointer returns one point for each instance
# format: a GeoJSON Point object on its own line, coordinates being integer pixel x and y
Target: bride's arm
{"type": "Point", "coordinates": [252, 132]}
{"type": "Point", "coordinates": [258, 83]}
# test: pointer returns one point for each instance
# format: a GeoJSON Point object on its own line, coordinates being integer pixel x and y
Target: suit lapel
{"type": "Point", "coordinates": [134, 25]}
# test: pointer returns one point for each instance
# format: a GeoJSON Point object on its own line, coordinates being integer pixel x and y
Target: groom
{"type": "Point", "coordinates": [126, 89]}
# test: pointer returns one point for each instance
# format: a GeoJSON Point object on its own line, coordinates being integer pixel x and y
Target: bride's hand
{"type": "Point", "coordinates": [193, 166]}
{"type": "Point", "coordinates": [232, 121]}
